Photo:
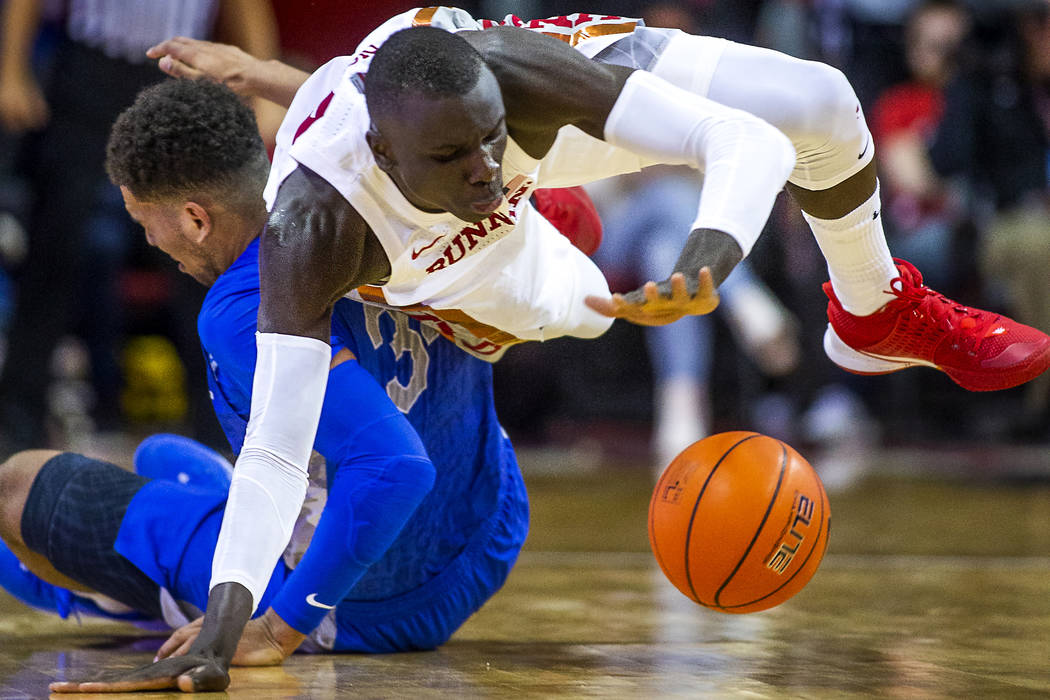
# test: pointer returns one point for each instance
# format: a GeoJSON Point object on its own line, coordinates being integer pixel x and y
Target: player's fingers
{"type": "Point", "coordinates": [170, 645]}
{"type": "Point", "coordinates": [172, 651]}
{"type": "Point", "coordinates": [600, 304]}
{"type": "Point", "coordinates": [177, 69]}
{"type": "Point", "coordinates": [179, 639]}
{"type": "Point", "coordinates": [679, 291]}
{"type": "Point", "coordinates": [605, 306]}
{"type": "Point", "coordinates": [111, 686]}
{"type": "Point", "coordinates": [63, 687]}
{"type": "Point", "coordinates": [175, 45]}
{"type": "Point", "coordinates": [203, 679]}
{"type": "Point", "coordinates": [707, 282]}
{"type": "Point", "coordinates": [185, 648]}
{"type": "Point", "coordinates": [651, 291]}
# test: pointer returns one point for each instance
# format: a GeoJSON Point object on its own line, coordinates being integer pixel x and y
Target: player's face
{"type": "Point", "coordinates": [179, 231]}
{"type": "Point", "coordinates": [445, 154]}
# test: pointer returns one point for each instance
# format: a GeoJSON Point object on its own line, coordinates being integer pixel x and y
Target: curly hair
{"type": "Point", "coordinates": [420, 59]}
{"type": "Point", "coordinates": [186, 138]}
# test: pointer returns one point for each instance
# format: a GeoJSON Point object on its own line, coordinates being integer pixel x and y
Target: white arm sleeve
{"type": "Point", "coordinates": [270, 477]}
{"type": "Point", "coordinates": [745, 160]}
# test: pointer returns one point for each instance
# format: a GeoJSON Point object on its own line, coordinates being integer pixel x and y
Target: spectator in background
{"type": "Point", "coordinates": [643, 216]}
{"type": "Point", "coordinates": [785, 25]}
{"type": "Point", "coordinates": [920, 214]}
{"type": "Point", "coordinates": [996, 132]}
{"type": "Point", "coordinates": [98, 67]}
{"type": "Point", "coordinates": [862, 37]}
{"type": "Point", "coordinates": [325, 29]}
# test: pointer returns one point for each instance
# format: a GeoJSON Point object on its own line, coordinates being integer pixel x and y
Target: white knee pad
{"type": "Point", "coordinates": [834, 142]}
{"type": "Point", "coordinates": [812, 103]}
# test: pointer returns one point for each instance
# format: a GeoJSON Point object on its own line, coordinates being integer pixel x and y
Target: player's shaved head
{"type": "Point", "coordinates": [188, 139]}
{"type": "Point", "coordinates": [420, 61]}
{"type": "Point", "coordinates": [438, 122]}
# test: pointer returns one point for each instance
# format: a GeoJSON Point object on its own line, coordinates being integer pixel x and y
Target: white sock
{"type": "Point", "coordinates": [859, 261]}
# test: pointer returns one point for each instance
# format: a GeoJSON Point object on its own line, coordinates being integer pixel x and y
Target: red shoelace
{"type": "Point", "coordinates": [965, 326]}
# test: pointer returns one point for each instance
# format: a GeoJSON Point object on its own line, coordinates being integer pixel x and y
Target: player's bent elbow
{"type": "Point", "coordinates": [757, 146]}
{"type": "Point", "coordinates": [780, 152]}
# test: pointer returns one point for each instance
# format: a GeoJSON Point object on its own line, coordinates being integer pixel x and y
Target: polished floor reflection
{"type": "Point", "coordinates": [930, 589]}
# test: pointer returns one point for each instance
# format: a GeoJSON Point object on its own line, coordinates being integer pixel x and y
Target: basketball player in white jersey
{"type": "Point", "coordinates": [404, 170]}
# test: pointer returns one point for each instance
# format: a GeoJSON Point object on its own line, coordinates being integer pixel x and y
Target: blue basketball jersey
{"type": "Point", "coordinates": [446, 396]}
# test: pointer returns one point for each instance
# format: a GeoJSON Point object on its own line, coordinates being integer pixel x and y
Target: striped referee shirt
{"type": "Point", "coordinates": [126, 28]}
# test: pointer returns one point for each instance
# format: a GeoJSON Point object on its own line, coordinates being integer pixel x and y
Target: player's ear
{"type": "Point", "coordinates": [380, 149]}
{"type": "Point", "coordinates": [198, 221]}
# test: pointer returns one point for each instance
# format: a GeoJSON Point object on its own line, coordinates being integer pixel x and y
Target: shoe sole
{"type": "Point", "coordinates": [859, 362]}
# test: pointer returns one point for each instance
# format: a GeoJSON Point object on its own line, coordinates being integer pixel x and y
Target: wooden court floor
{"type": "Point", "coordinates": [932, 588]}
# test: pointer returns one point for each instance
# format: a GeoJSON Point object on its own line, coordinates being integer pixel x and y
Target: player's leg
{"type": "Point", "coordinates": [882, 318]}
{"type": "Point", "coordinates": [31, 578]}
{"type": "Point", "coordinates": [61, 515]}
{"type": "Point", "coordinates": [834, 175]}
{"type": "Point", "coordinates": [17, 475]}
{"type": "Point", "coordinates": [183, 460]}
{"type": "Point", "coordinates": [30, 589]}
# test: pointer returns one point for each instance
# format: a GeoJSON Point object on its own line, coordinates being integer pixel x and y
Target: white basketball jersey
{"type": "Point", "coordinates": [485, 285]}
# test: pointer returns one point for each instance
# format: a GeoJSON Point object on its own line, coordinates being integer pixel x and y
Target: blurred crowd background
{"type": "Point", "coordinates": [99, 330]}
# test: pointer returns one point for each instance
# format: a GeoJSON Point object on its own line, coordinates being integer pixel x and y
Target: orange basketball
{"type": "Point", "coordinates": [739, 522]}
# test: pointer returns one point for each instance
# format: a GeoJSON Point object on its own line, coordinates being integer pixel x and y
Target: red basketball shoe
{"type": "Point", "coordinates": [979, 350]}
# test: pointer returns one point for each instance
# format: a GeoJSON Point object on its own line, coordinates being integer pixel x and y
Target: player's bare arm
{"type": "Point", "coordinates": [533, 70]}
{"type": "Point", "coordinates": [248, 76]}
{"type": "Point", "coordinates": [547, 85]}
{"type": "Point", "coordinates": [23, 106]}
{"type": "Point", "coordinates": [318, 245]}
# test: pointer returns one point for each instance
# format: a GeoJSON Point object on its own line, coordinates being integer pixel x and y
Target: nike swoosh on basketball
{"type": "Point", "coordinates": [417, 253]}
{"type": "Point", "coordinates": [312, 600]}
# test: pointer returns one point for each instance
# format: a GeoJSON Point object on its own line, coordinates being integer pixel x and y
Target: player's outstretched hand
{"type": "Point", "coordinates": [183, 57]}
{"type": "Point", "coordinates": [190, 674]}
{"type": "Point", "coordinates": [660, 303]}
{"type": "Point", "coordinates": [266, 641]}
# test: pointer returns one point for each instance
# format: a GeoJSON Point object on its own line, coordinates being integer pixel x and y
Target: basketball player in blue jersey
{"type": "Point", "coordinates": [424, 512]}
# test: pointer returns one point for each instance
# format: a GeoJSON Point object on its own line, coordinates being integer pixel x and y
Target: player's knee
{"type": "Point", "coordinates": [832, 138]}
{"type": "Point", "coordinates": [830, 89]}
{"type": "Point", "coordinates": [831, 106]}
{"type": "Point", "coordinates": [16, 479]}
